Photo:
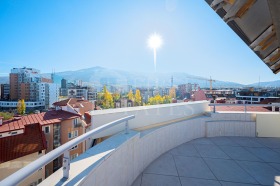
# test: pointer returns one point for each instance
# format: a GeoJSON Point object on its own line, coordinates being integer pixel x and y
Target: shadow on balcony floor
{"type": "Point", "coordinates": [226, 161]}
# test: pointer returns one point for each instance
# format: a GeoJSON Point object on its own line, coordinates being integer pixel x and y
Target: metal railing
{"type": "Point", "coordinates": [274, 105]}
{"type": "Point", "coordinates": [34, 166]}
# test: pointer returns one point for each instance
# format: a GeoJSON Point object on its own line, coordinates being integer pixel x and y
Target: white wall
{"type": "Point", "coordinates": [132, 153]}
{"type": "Point", "coordinates": [146, 115]}
{"type": "Point", "coordinates": [53, 93]}
{"type": "Point", "coordinates": [268, 125]}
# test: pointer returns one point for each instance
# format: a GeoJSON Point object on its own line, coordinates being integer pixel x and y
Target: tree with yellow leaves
{"type": "Point", "coordinates": [167, 99]}
{"type": "Point", "coordinates": [155, 100]}
{"type": "Point", "coordinates": [172, 92]}
{"type": "Point", "coordinates": [107, 99]}
{"type": "Point", "coordinates": [21, 107]}
{"type": "Point", "coordinates": [116, 96]}
{"type": "Point", "coordinates": [138, 97]}
{"type": "Point", "coordinates": [130, 95]}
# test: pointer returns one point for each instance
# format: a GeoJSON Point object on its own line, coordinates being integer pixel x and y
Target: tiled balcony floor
{"type": "Point", "coordinates": [215, 161]}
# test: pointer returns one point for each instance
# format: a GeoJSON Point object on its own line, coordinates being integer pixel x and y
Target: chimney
{"type": "Point", "coordinates": [1, 120]}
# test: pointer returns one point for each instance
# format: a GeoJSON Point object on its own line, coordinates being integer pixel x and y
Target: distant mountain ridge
{"type": "Point", "coordinates": [99, 76]}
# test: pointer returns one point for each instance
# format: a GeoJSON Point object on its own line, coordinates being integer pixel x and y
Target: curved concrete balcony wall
{"type": "Point", "coordinates": [122, 157]}
{"type": "Point", "coordinates": [147, 115]}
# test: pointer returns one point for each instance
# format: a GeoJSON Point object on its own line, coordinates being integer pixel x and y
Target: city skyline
{"type": "Point", "coordinates": [72, 36]}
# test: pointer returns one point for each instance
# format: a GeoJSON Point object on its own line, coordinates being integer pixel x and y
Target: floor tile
{"type": "Point", "coordinates": [277, 150]}
{"type": "Point", "coordinates": [239, 153]}
{"type": "Point", "coordinates": [198, 182]}
{"type": "Point", "coordinates": [229, 170]}
{"type": "Point", "coordinates": [265, 154]}
{"type": "Point", "coordinates": [246, 142]}
{"type": "Point", "coordinates": [224, 183]}
{"type": "Point", "coordinates": [275, 165]}
{"type": "Point", "coordinates": [164, 165]}
{"type": "Point", "coordinates": [262, 172]}
{"type": "Point", "coordinates": [159, 180]}
{"type": "Point", "coordinates": [223, 141]}
{"type": "Point", "coordinates": [137, 181]}
{"type": "Point", "coordinates": [269, 142]}
{"type": "Point", "coordinates": [211, 151]}
{"type": "Point", "coordinates": [185, 149]}
{"type": "Point", "coordinates": [193, 167]}
{"type": "Point", "coordinates": [205, 141]}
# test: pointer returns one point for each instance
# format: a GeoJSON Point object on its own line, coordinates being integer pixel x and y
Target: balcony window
{"type": "Point", "coordinates": [74, 156]}
{"type": "Point", "coordinates": [47, 129]}
{"type": "Point", "coordinates": [73, 134]}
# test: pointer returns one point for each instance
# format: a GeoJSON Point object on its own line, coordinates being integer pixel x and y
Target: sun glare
{"type": "Point", "coordinates": [155, 41]}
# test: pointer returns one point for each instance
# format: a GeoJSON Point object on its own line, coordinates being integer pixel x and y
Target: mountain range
{"type": "Point", "coordinates": [99, 76]}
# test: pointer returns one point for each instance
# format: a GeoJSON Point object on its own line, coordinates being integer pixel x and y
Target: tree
{"type": "Point", "coordinates": [138, 98]}
{"type": "Point", "coordinates": [6, 115]}
{"type": "Point", "coordinates": [167, 99]}
{"type": "Point", "coordinates": [21, 107]}
{"type": "Point", "coordinates": [107, 99]}
{"type": "Point", "coordinates": [155, 100]}
{"type": "Point", "coordinates": [116, 96]}
{"type": "Point", "coordinates": [172, 92]}
{"type": "Point", "coordinates": [130, 95]}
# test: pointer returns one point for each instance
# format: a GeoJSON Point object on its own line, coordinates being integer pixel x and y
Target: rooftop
{"type": "Point", "coordinates": [43, 118]}
{"type": "Point", "coordinates": [32, 140]}
{"type": "Point", "coordinates": [83, 105]}
{"type": "Point", "coordinates": [217, 161]}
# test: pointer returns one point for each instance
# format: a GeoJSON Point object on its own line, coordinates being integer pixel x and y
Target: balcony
{"type": "Point", "coordinates": [216, 161]}
{"type": "Point", "coordinates": [179, 144]}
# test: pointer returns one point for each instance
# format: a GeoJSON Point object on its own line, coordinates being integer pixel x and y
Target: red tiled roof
{"type": "Point", "coordinates": [61, 103]}
{"type": "Point", "coordinates": [43, 118]}
{"type": "Point", "coordinates": [83, 105]}
{"type": "Point", "coordinates": [16, 146]}
{"type": "Point", "coordinates": [240, 108]}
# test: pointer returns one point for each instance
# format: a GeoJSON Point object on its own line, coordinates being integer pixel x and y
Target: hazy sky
{"type": "Point", "coordinates": [70, 35]}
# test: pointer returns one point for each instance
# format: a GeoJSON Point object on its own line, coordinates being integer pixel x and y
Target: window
{"type": "Point", "coordinates": [73, 134]}
{"type": "Point", "coordinates": [39, 180]}
{"type": "Point", "coordinates": [75, 122]}
{"type": "Point", "coordinates": [13, 133]}
{"type": "Point", "coordinates": [76, 146]}
{"type": "Point", "coordinates": [47, 129]}
{"type": "Point", "coordinates": [39, 152]}
{"type": "Point", "coordinates": [73, 156]}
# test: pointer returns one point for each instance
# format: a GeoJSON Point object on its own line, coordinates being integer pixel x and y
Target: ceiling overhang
{"type": "Point", "coordinates": [257, 23]}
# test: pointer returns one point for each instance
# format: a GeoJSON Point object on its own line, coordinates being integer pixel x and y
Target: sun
{"type": "Point", "coordinates": [154, 41]}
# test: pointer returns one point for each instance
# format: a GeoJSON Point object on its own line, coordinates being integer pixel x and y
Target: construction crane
{"type": "Point", "coordinates": [210, 81]}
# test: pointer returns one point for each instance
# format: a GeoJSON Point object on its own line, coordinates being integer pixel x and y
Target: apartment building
{"type": "Point", "coordinates": [27, 84]}
{"type": "Point", "coordinates": [5, 92]}
{"type": "Point", "coordinates": [57, 127]}
{"type": "Point", "coordinates": [20, 146]}
{"type": "Point", "coordinates": [81, 107]}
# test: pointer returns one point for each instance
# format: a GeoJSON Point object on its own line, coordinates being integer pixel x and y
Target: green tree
{"type": "Point", "coordinates": [21, 107]}
{"type": "Point", "coordinates": [116, 96]}
{"type": "Point", "coordinates": [138, 98]}
{"type": "Point", "coordinates": [6, 115]}
{"type": "Point", "coordinates": [130, 95]}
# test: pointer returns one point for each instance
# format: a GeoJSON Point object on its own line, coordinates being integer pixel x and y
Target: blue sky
{"type": "Point", "coordinates": [70, 35]}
